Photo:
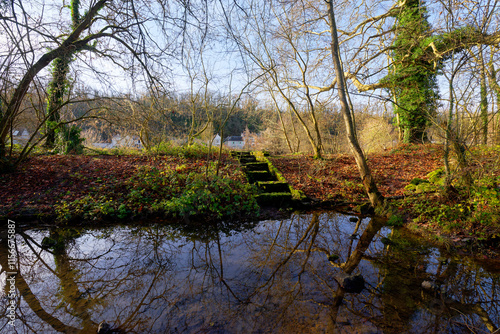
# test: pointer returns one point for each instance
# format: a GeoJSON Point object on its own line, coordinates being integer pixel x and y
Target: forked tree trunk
{"type": "Point", "coordinates": [376, 198]}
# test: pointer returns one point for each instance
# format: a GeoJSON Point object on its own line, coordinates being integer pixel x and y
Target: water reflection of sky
{"type": "Point", "coordinates": [273, 277]}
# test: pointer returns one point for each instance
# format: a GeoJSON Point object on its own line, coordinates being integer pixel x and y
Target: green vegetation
{"type": "Point", "coordinates": [395, 221]}
{"type": "Point", "coordinates": [69, 140]}
{"type": "Point", "coordinates": [413, 76]}
{"type": "Point", "coordinates": [188, 151]}
{"type": "Point", "coordinates": [171, 192]}
{"type": "Point", "coordinates": [473, 212]}
{"type": "Point", "coordinates": [296, 194]}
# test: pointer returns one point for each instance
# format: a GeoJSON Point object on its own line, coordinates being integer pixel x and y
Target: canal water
{"type": "Point", "coordinates": [320, 272]}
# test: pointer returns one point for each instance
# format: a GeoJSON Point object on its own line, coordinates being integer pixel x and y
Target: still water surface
{"type": "Point", "coordinates": [267, 277]}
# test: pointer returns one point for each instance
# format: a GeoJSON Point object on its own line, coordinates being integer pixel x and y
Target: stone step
{"type": "Point", "coordinates": [274, 187]}
{"type": "Point", "coordinates": [238, 154]}
{"type": "Point", "coordinates": [256, 176]}
{"type": "Point", "coordinates": [247, 159]}
{"type": "Point", "coordinates": [274, 199]}
{"type": "Point", "coordinates": [257, 166]}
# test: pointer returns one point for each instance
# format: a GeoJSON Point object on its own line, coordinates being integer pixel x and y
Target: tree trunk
{"type": "Point", "coordinates": [376, 198]}
{"type": "Point", "coordinates": [484, 100]}
{"type": "Point", "coordinates": [495, 88]}
{"type": "Point", "coordinates": [448, 136]}
{"type": "Point", "coordinates": [315, 146]}
{"type": "Point", "coordinates": [281, 121]}
{"type": "Point", "coordinates": [57, 89]}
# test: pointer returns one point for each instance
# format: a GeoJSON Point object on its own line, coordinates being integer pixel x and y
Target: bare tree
{"type": "Point", "coordinates": [199, 79]}
{"type": "Point", "coordinates": [114, 33]}
{"type": "Point", "coordinates": [268, 40]}
{"type": "Point", "coordinates": [376, 198]}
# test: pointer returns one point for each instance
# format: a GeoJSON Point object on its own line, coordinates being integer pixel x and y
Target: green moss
{"type": "Point", "coordinates": [274, 186]}
{"type": "Point", "coordinates": [257, 166]}
{"type": "Point", "coordinates": [296, 194]}
{"type": "Point", "coordinates": [437, 176]}
{"type": "Point", "coordinates": [274, 199]}
{"type": "Point", "coordinates": [416, 181]}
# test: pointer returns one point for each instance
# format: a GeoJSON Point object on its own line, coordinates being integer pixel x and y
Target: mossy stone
{"type": "Point", "coordinates": [255, 176]}
{"type": "Point", "coordinates": [274, 187]}
{"type": "Point", "coordinates": [257, 166]}
{"type": "Point", "coordinates": [274, 199]}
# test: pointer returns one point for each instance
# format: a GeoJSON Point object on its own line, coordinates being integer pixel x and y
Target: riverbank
{"type": "Point", "coordinates": [182, 185]}
{"type": "Point", "coordinates": [411, 177]}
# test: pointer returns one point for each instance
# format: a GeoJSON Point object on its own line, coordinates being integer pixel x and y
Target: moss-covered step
{"type": "Point", "coordinates": [297, 195]}
{"type": "Point", "coordinates": [255, 176]}
{"type": "Point", "coordinates": [274, 199]}
{"type": "Point", "coordinates": [257, 166]}
{"type": "Point", "coordinates": [247, 159]}
{"type": "Point", "coordinates": [274, 187]}
{"type": "Point", "coordinates": [240, 153]}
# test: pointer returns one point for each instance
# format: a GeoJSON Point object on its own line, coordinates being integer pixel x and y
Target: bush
{"type": "Point", "coordinates": [69, 140]}
{"type": "Point", "coordinates": [171, 192]}
{"type": "Point", "coordinates": [186, 151]}
{"type": "Point", "coordinates": [214, 198]}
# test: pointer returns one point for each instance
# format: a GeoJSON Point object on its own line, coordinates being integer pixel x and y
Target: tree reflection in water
{"type": "Point", "coordinates": [235, 278]}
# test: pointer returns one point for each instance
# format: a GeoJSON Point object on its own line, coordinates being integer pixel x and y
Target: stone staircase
{"type": "Point", "coordinates": [272, 192]}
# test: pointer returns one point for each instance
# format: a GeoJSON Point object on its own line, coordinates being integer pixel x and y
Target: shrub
{"type": "Point", "coordinates": [172, 192]}
{"type": "Point", "coordinates": [69, 140]}
{"type": "Point", "coordinates": [216, 198]}
{"type": "Point", "coordinates": [185, 151]}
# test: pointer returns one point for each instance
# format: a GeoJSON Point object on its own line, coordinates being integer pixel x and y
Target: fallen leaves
{"type": "Point", "coordinates": [42, 181]}
{"type": "Point", "coordinates": [337, 177]}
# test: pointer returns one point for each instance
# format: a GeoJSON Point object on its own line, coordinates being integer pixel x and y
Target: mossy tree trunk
{"type": "Point", "coordinates": [58, 84]}
{"type": "Point", "coordinates": [56, 92]}
{"type": "Point", "coordinates": [414, 76]}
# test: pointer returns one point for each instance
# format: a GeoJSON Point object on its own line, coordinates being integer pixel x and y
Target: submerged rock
{"type": "Point", "coordinates": [433, 287]}
{"type": "Point", "coordinates": [333, 257]}
{"type": "Point", "coordinates": [428, 285]}
{"type": "Point", "coordinates": [352, 283]}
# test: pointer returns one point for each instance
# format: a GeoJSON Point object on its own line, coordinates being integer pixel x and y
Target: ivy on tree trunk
{"type": "Point", "coordinates": [413, 74]}
{"type": "Point", "coordinates": [58, 85]}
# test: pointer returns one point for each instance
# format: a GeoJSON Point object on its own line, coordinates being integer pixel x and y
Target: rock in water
{"type": "Point", "coordinates": [333, 257]}
{"type": "Point", "coordinates": [352, 283]}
